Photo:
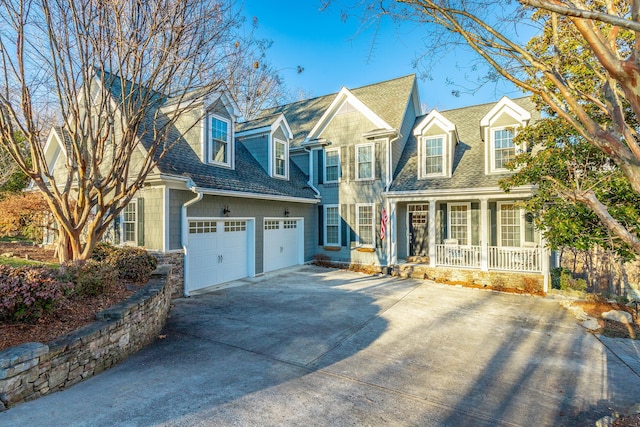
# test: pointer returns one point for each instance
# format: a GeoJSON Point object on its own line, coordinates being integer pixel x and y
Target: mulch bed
{"type": "Point", "coordinates": [67, 316]}
{"type": "Point", "coordinates": [611, 328]}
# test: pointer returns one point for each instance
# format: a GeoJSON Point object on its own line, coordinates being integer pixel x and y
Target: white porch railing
{"type": "Point", "coordinates": [500, 258]}
{"type": "Point", "coordinates": [515, 259]}
{"type": "Point", "coordinates": [458, 256]}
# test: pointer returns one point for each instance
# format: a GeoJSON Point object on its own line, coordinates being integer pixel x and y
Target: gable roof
{"type": "Point", "coordinates": [182, 161]}
{"type": "Point", "coordinates": [388, 100]}
{"type": "Point", "coordinates": [469, 155]}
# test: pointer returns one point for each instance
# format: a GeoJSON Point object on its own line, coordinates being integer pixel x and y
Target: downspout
{"type": "Point", "coordinates": [391, 215]}
{"type": "Point", "coordinates": [390, 162]}
{"type": "Point", "coordinates": [310, 182]}
{"type": "Point", "coordinates": [185, 229]}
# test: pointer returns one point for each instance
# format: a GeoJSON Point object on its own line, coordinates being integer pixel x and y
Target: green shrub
{"type": "Point", "coordinates": [26, 293]}
{"type": "Point", "coordinates": [561, 278]}
{"type": "Point", "coordinates": [132, 264]}
{"type": "Point", "coordinates": [91, 277]}
{"type": "Point", "coordinates": [102, 250]}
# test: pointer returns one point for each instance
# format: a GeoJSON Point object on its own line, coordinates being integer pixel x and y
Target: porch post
{"type": "Point", "coordinates": [484, 234]}
{"type": "Point", "coordinates": [545, 256]}
{"type": "Point", "coordinates": [392, 235]}
{"type": "Point", "coordinates": [432, 232]}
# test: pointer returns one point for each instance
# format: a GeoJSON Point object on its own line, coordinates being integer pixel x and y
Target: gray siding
{"type": "Point", "coordinates": [212, 206]}
{"type": "Point", "coordinates": [405, 132]}
{"type": "Point", "coordinates": [302, 161]}
{"type": "Point", "coordinates": [153, 225]}
{"type": "Point", "coordinates": [258, 146]}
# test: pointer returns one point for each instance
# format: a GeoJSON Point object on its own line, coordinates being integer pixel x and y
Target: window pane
{"type": "Point", "coordinates": [332, 165]}
{"type": "Point", "coordinates": [459, 222]}
{"type": "Point", "coordinates": [433, 155]}
{"type": "Point", "coordinates": [509, 225]}
{"type": "Point", "coordinates": [219, 139]}
{"type": "Point", "coordinates": [364, 162]}
{"type": "Point", "coordinates": [280, 160]}
{"type": "Point", "coordinates": [219, 151]}
{"type": "Point", "coordinates": [129, 222]}
{"type": "Point", "coordinates": [332, 225]}
{"type": "Point", "coordinates": [365, 225]}
{"type": "Point", "coordinates": [504, 149]}
{"type": "Point", "coordinates": [218, 129]}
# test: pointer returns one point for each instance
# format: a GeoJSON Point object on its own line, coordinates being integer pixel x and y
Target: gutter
{"type": "Point", "coordinates": [185, 229]}
{"type": "Point", "coordinates": [390, 162]}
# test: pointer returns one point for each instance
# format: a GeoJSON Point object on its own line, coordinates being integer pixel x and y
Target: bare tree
{"type": "Point", "coordinates": [580, 59]}
{"type": "Point", "coordinates": [106, 67]}
{"type": "Point", "coordinates": [8, 166]}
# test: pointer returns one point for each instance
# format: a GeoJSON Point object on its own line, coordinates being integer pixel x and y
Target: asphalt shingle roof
{"type": "Point", "coordinates": [387, 99]}
{"type": "Point", "coordinates": [247, 176]}
{"type": "Point", "coordinates": [469, 156]}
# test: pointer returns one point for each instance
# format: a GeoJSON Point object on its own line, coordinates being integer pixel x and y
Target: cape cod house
{"type": "Point", "coordinates": [360, 176]}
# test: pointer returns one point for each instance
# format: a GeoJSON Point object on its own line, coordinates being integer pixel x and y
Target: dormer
{"type": "Point", "coordinates": [437, 138]}
{"type": "Point", "coordinates": [268, 140]}
{"type": "Point", "coordinates": [498, 128]}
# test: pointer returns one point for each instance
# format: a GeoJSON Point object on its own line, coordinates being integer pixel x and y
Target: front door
{"type": "Point", "coordinates": [418, 230]}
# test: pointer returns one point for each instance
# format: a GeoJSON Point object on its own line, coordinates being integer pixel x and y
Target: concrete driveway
{"type": "Point", "coordinates": [315, 346]}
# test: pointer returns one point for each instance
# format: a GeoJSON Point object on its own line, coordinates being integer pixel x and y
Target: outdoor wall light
{"type": "Point", "coordinates": [226, 211]}
{"type": "Point", "coordinates": [286, 212]}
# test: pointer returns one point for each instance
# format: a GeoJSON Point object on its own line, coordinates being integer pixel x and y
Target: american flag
{"type": "Point", "coordinates": [383, 223]}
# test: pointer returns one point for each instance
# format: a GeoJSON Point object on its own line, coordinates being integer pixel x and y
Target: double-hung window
{"type": "Point", "coordinates": [503, 148]}
{"type": "Point", "coordinates": [365, 225]}
{"type": "Point", "coordinates": [510, 225]}
{"type": "Point", "coordinates": [219, 140]}
{"type": "Point", "coordinates": [433, 155]}
{"type": "Point", "coordinates": [365, 161]}
{"type": "Point", "coordinates": [460, 222]}
{"type": "Point", "coordinates": [130, 222]}
{"type": "Point", "coordinates": [280, 159]}
{"type": "Point", "coordinates": [332, 225]}
{"type": "Point", "coordinates": [332, 165]}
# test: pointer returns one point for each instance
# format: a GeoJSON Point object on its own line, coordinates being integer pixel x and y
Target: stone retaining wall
{"type": "Point", "coordinates": [176, 278]}
{"type": "Point", "coordinates": [31, 370]}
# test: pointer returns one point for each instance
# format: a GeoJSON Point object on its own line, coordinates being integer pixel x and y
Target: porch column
{"type": "Point", "coordinates": [545, 256]}
{"type": "Point", "coordinates": [484, 234]}
{"type": "Point", "coordinates": [392, 227]}
{"type": "Point", "coordinates": [432, 232]}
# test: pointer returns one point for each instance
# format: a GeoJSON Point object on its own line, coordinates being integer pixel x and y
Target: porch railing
{"type": "Point", "coordinates": [499, 258]}
{"type": "Point", "coordinates": [458, 256]}
{"type": "Point", "coordinates": [515, 259]}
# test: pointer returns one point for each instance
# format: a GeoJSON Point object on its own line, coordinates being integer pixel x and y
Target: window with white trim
{"type": "Point", "coordinates": [332, 225]}
{"type": "Point", "coordinates": [503, 147]}
{"type": "Point", "coordinates": [279, 158]}
{"type": "Point", "coordinates": [365, 225]}
{"type": "Point", "coordinates": [509, 225]}
{"type": "Point", "coordinates": [332, 165]}
{"type": "Point", "coordinates": [460, 222]}
{"type": "Point", "coordinates": [219, 140]}
{"type": "Point", "coordinates": [365, 161]}
{"type": "Point", "coordinates": [130, 222]}
{"type": "Point", "coordinates": [433, 156]}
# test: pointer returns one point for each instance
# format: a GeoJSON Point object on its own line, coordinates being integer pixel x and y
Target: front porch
{"type": "Point", "coordinates": [490, 234]}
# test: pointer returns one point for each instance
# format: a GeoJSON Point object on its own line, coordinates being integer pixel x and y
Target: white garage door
{"type": "Point", "coordinates": [283, 243]}
{"type": "Point", "coordinates": [217, 252]}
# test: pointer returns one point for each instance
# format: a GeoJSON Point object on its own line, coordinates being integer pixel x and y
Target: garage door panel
{"type": "Point", "coordinates": [282, 243]}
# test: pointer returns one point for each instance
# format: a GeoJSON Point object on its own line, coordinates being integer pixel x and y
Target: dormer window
{"type": "Point", "coordinates": [220, 140]}
{"type": "Point", "coordinates": [280, 158]}
{"type": "Point", "coordinates": [365, 161]}
{"type": "Point", "coordinates": [498, 127]}
{"type": "Point", "coordinates": [433, 155]}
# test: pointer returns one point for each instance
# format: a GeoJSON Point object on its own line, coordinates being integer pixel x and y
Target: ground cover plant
{"type": "Point", "coordinates": [39, 302]}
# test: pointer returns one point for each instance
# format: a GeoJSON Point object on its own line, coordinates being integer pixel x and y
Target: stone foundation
{"type": "Point", "coordinates": [31, 370]}
{"type": "Point", "coordinates": [511, 280]}
{"type": "Point", "coordinates": [176, 279]}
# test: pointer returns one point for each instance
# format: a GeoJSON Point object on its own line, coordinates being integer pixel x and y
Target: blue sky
{"type": "Point", "coordinates": [334, 55]}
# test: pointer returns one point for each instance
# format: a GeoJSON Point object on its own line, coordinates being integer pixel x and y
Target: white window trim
{"type": "Point", "coordinates": [373, 225]}
{"type": "Point", "coordinates": [324, 226]}
{"type": "Point", "coordinates": [324, 165]}
{"type": "Point", "coordinates": [373, 161]}
{"type": "Point", "coordinates": [277, 141]}
{"type": "Point", "coordinates": [422, 156]}
{"type": "Point", "coordinates": [209, 140]}
{"type": "Point", "coordinates": [468, 205]}
{"type": "Point", "coordinates": [499, 222]}
{"type": "Point", "coordinates": [492, 147]}
{"type": "Point", "coordinates": [123, 241]}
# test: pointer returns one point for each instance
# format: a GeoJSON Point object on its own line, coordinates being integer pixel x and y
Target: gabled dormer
{"type": "Point", "coordinates": [268, 140]}
{"type": "Point", "coordinates": [498, 128]}
{"type": "Point", "coordinates": [437, 138]}
{"type": "Point", "coordinates": [208, 126]}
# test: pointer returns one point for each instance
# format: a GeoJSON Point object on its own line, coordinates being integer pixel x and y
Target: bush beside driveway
{"type": "Point", "coordinates": [314, 346]}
